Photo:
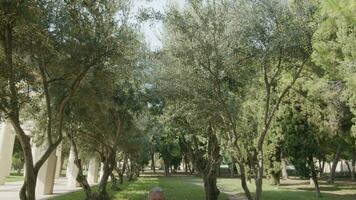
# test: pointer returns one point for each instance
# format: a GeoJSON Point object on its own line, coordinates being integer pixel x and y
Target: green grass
{"type": "Point", "coordinates": [175, 188]}
{"type": "Point", "coordinates": [296, 190]}
{"type": "Point", "coordinates": [13, 178]}
{"type": "Point", "coordinates": [190, 188]}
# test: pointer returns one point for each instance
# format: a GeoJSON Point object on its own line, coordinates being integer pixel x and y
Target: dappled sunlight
{"type": "Point", "coordinates": [191, 188]}
{"type": "Point", "coordinates": [196, 99]}
{"type": "Point", "coordinates": [294, 189]}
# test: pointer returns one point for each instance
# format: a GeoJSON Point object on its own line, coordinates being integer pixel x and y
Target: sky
{"type": "Point", "coordinates": [153, 31]}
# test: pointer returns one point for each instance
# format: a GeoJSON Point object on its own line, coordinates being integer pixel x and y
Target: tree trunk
{"type": "Point", "coordinates": [103, 194]}
{"type": "Point", "coordinates": [114, 186]}
{"type": "Point", "coordinates": [348, 167]}
{"type": "Point", "coordinates": [258, 183]}
{"type": "Point", "coordinates": [122, 171]}
{"type": "Point", "coordinates": [284, 169]}
{"type": "Point", "coordinates": [166, 168]}
{"type": "Point", "coordinates": [219, 170]}
{"type": "Point", "coordinates": [321, 172]}
{"type": "Point", "coordinates": [244, 181]}
{"type": "Point", "coordinates": [232, 168]}
{"type": "Point", "coordinates": [82, 180]}
{"type": "Point", "coordinates": [353, 161]}
{"type": "Point", "coordinates": [137, 172]}
{"type": "Point", "coordinates": [207, 166]}
{"type": "Point", "coordinates": [28, 188]}
{"type": "Point", "coordinates": [186, 164]}
{"type": "Point", "coordinates": [334, 165]}
{"type": "Point", "coordinates": [153, 164]}
{"type": "Point", "coordinates": [131, 171]}
{"type": "Point", "coordinates": [211, 190]}
{"type": "Point", "coordinates": [259, 175]}
{"type": "Point", "coordinates": [190, 168]}
{"type": "Point", "coordinates": [314, 176]}
{"type": "Point", "coordinates": [27, 191]}
{"type": "Point", "coordinates": [276, 178]}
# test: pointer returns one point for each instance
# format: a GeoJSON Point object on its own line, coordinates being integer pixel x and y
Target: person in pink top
{"type": "Point", "coordinates": [156, 194]}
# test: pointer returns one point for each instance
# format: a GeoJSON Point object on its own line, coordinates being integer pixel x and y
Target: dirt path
{"type": "Point", "coordinates": [233, 195]}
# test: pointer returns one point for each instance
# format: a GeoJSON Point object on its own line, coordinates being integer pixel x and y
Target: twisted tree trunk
{"type": "Point", "coordinates": [334, 164]}
{"type": "Point", "coordinates": [314, 176]}
{"type": "Point", "coordinates": [81, 179]}
{"type": "Point", "coordinates": [211, 190]}
{"type": "Point", "coordinates": [210, 173]}
{"type": "Point", "coordinates": [166, 167]}
{"type": "Point", "coordinates": [206, 162]}
{"type": "Point", "coordinates": [244, 181]}
{"type": "Point", "coordinates": [353, 161]}
{"type": "Point", "coordinates": [121, 171]}
{"type": "Point", "coordinates": [103, 194]}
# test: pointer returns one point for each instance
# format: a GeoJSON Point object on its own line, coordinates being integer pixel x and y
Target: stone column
{"type": "Point", "coordinates": [67, 169]}
{"type": "Point", "coordinates": [59, 161]}
{"type": "Point", "coordinates": [93, 171]}
{"type": "Point", "coordinates": [7, 139]}
{"type": "Point", "coordinates": [311, 183]}
{"type": "Point", "coordinates": [284, 170]}
{"type": "Point", "coordinates": [72, 171]}
{"type": "Point", "coordinates": [181, 166]}
{"type": "Point", "coordinates": [101, 170]}
{"type": "Point", "coordinates": [45, 177]}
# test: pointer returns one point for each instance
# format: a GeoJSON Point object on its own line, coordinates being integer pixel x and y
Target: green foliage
{"type": "Point", "coordinates": [334, 45]}
{"type": "Point", "coordinates": [302, 140]}
{"type": "Point", "coordinates": [169, 151]}
{"type": "Point", "coordinates": [260, 80]}
{"type": "Point", "coordinates": [17, 163]}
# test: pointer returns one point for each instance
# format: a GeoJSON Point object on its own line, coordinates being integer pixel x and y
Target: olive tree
{"type": "Point", "coordinates": [47, 49]}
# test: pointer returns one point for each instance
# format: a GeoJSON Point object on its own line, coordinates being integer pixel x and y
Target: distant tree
{"type": "Point", "coordinates": [276, 37]}
{"type": "Point", "coordinates": [169, 151]}
{"type": "Point", "coordinates": [18, 159]}
{"type": "Point", "coordinates": [301, 128]}
{"type": "Point", "coordinates": [334, 50]}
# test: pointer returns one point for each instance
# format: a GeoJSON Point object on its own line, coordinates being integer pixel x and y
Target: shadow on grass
{"type": "Point", "coordinates": [307, 195]}
{"type": "Point", "coordinates": [301, 195]}
{"type": "Point", "coordinates": [175, 188]}
{"type": "Point", "coordinates": [294, 183]}
{"type": "Point", "coordinates": [190, 188]}
{"type": "Point", "coordinates": [331, 187]}
{"type": "Point", "coordinates": [326, 189]}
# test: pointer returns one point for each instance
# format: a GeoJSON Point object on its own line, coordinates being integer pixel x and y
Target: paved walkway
{"type": "Point", "coordinates": [10, 191]}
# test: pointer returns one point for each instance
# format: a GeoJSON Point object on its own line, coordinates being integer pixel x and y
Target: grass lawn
{"type": "Point", "coordinates": [175, 188]}
{"type": "Point", "coordinates": [190, 188]}
{"type": "Point", "coordinates": [296, 190]}
{"type": "Point", "coordinates": [13, 178]}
